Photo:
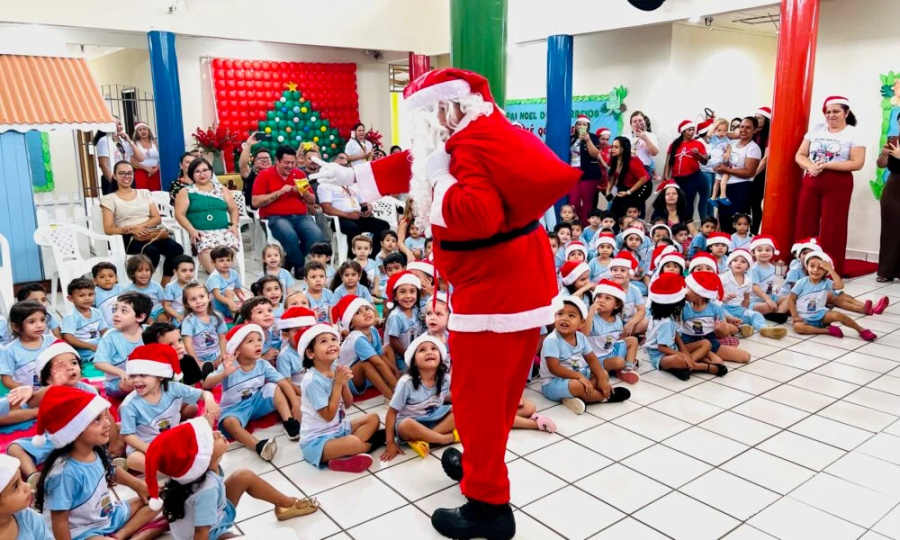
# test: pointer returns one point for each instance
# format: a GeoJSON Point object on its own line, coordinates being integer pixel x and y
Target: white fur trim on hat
{"type": "Point", "coordinates": [9, 469]}
{"type": "Point", "coordinates": [52, 352]}
{"type": "Point", "coordinates": [817, 255]}
{"type": "Point", "coordinates": [695, 286]}
{"type": "Point", "coordinates": [408, 279]}
{"type": "Point", "coordinates": [685, 127]}
{"type": "Point", "coordinates": [312, 333]}
{"type": "Point", "coordinates": [718, 240]}
{"type": "Point", "coordinates": [204, 436]}
{"type": "Point", "coordinates": [671, 257]}
{"type": "Point", "coordinates": [296, 322]}
{"type": "Point", "coordinates": [608, 240]}
{"type": "Point", "coordinates": [76, 426]}
{"type": "Point", "coordinates": [666, 298]}
{"type": "Point", "coordinates": [661, 226]}
{"type": "Point", "coordinates": [352, 309]}
{"type": "Point", "coordinates": [838, 101]}
{"type": "Point", "coordinates": [574, 246]}
{"type": "Point", "coordinates": [560, 301]}
{"type": "Point", "coordinates": [239, 337]}
{"type": "Point", "coordinates": [149, 367]}
{"type": "Point", "coordinates": [424, 338]}
{"type": "Point", "coordinates": [428, 96]}
{"type": "Point", "coordinates": [621, 263]}
{"type": "Point", "coordinates": [424, 267]}
{"type": "Point", "coordinates": [576, 273]}
{"type": "Point", "coordinates": [740, 252]}
{"type": "Point", "coordinates": [764, 111]}
{"type": "Point", "coordinates": [633, 230]}
{"type": "Point", "coordinates": [760, 241]}
{"type": "Point", "coordinates": [615, 292]}
{"type": "Point", "coordinates": [708, 261]}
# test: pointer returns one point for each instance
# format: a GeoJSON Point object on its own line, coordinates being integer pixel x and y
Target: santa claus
{"type": "Point", "coordinates": [480, 184]}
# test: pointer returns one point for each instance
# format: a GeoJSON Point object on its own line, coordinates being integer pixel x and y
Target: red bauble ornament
{"type": "Point", "coordinates": [266, 66]}
{"type": "Point", "coordinates": [256, 64]}
{"type": "Point", "coordinates": [217, 63]}
{"type": "Point", "coordinates": [247, 64]}
{"type": "Point", "coordinates": [228, 64]}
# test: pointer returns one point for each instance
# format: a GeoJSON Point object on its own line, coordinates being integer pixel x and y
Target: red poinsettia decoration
{"type": "Point", "coordinates": [374, 137]}
{"type": "Point", "coordinates": [215, 138]}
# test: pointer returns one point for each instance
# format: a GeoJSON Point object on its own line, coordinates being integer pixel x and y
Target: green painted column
{"type": "Point", "coordinates": [478, 41]}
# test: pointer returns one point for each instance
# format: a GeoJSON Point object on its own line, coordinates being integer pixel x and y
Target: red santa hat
{"type": "Point", "coordinates": [297, 317]}
{"type": "Point", "coordinates": [633, 230]}
{"type": "Point", "coordinates": [703, 258]}
{"type": "Point", "coordinates": [718, 238]}
{"type": "Point", "coordinates": [763, 240]}
{"type": "Point", "coordinates": [685, 125]}
{"type": "Point", "coordinates": [65, 412]}
{"type": "Point", "coordinates": [660, 226]}
{"type": "Point", "coordinates": [182, 453]}
{"type": "Point", "coordinates": [422, 266]}
{"type": "Point", "coordinates": [424, 338]}
{"type": "Point", "coordinates": [625, 260]}
{"type": "Point", "coordinates": [562, 300]}
{"type": "Point", "coordinates": [401, 278]}
{"type": "Point", "coordinates": [9, 469]}
{"type": "Point", "coordinates": [570, 271]}
{"type": "Point", "coordinates": [704, 126]}
{"type": "Point", "coordinates": [742, 253]}
{"type": "Point", "coordinates": [835, 100]}
{"type": "Point", "coordinates": [305, 337]}
{"type": "Point", "coordinates": [155, 359]}
{"type": "Point", "coordinates": [57, 348]}
{"type": "Point", "coordinates": [674, 257]}
{"type": "Point", "coordinates": [238, 334]}
{"type": "Point", "coordinates": [445, 84]}
{"type": "Point", "coordinates": [667, 184]}
{"type": "Point", "coordinates": [611, 288]}
{"type": "Point", "coordinates": [583, 118]}
{"type": "Point", "coordinates": [804, 243]}
{"type": "Point", "coordinates": [667, 289]}
{"type": "Point", "coordinates": [576, 246]}
{"type": "Point", "coordinates": [706, 284]}
{"type": "Point", "coordinates": [765, 111]}
{"type": "Point", "coordinates": [818, 254]}
{"type": "Point", "coordinates": [605, 238]}
{"type": "Point", "coordinates": [603, 130]}
{"type": "Point", "coordinates": [346, 308]}
{"type": "Point", "coordinates": [658, 252]}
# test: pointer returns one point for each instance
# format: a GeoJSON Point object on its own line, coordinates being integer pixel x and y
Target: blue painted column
{"type": "Point", "coordinates": [559, 103]}
{"type": "Point", "coordinates": [167, 99]}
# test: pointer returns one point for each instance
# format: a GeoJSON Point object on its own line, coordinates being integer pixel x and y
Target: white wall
{"type": "Point", "coordinates": [128, 67]}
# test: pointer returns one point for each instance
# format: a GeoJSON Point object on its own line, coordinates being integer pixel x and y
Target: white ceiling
{"type": "Point", "coordinates": [762, 21]}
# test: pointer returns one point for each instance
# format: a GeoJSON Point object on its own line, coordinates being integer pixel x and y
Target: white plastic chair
{"type": "Point", "coordinates": [63, 241]}
{"type": "Point", "coordinates": [7, 298]}
{"type": "Point", "coordinates": [244, 218]}
{"type": "Point", "coordinates": [161, 197]}
{"type": "Point", "coordinates": [338, 242]}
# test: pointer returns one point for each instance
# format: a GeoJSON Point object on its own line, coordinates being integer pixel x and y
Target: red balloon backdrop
{"type": "Point", "coordinates": [245, 90]}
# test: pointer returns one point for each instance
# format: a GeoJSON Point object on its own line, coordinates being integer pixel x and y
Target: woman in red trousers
{"type": "Point", "coordinates": [829, 154]}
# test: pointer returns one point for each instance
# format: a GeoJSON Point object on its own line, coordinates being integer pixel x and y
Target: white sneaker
{"type": "Point", "coordinates": [574, 404]}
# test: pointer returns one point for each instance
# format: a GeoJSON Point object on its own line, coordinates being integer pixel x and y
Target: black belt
{"type": "Point", "coordinates": [499, 238]}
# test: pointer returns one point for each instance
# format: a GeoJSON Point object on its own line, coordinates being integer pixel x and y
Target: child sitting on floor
{"type": "Point", "coordinates": [37, 293]}
{"type": "Point", "coordinates": [168, 334]}
{"type": "Point", "coordinates": [717, 245]}
{"type": "Point", "coordinates": [258, 310]}
{"type": "Point", "coordinates": [362, 351]}
{"type": "Point", "coordinates": [808, 297]}
{"type": "Point", "coordinates": [224, 284]}
{"type": "Point", "coordinates": [362, 248]}
{"type": "Point", "coordinates": [17, 519]}
{"type": "Point", "coordinates": [84, 326]}
{"type": "Point", "coordinates": [603, 328]}
{"type": "Point", "coordinates": [131, 313]}
{"type": "Point", "coordinates": [351, 280]}
{"type": "Point", "coordinates": [296, 299]}
{"type": "Point", "coordinates": [140, 271]}
{"type": "Point", "coordinates": [321, 252]}
{"type": "Point", "coordinates": [634, 313]}
{"type": "Point", "coordinates": [599, 265]}
{"type": "Point", "coordinates": [765, 296]}
{"type": "Point", "coordinates": [576, 280]}
{"type": "Point", "coordinates": [321, 298]}
{"type": "Point", "coordinates": [742, 236]}
{"type": "Point", "coordinates": [737, 284]}
{"type": "Point", "coordinates": [173, 294]}
{"type": "Point", "coordinates": [273, 259]}
{"type": "Point", "coordinates": [633, 243]}
{"type": "Point", "coordinates": [28, 323]}
{"type": "Point", "coordinates": [106, 289]}
{"type": "Point", "coordinates": [289, 363]}
{"type": "Point", "coordinates": [327, 437]}
{"type": "Point", "coordinates": [704, 319]}
{"type": "Point", "coordinates": [403, 323]}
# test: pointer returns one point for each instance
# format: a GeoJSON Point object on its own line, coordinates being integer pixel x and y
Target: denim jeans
{"type": "Point", "coordinates": [703, 207]}
{"type": "Point", "coordinates": [693, 185]}
{"type": "Point", "coordinates": [297, 234]}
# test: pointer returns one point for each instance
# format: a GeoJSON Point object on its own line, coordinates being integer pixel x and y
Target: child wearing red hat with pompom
{"type": "Point", "coordinates": [291, 324]}
{"type": "Point", "coordinates": [361, 351]}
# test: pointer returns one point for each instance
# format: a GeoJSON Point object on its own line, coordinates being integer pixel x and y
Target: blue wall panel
{"type": "Point", "coordinates": [17, 213]}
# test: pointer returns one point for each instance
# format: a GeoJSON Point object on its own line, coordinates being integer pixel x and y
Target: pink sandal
{"type": "Point", "coordinates": [544, 423]}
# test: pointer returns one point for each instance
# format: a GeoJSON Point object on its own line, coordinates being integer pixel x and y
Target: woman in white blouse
{"type": "Point", "coordinates": [358, 148]}
{"type": "Point", "coordinates": [146, 170]}
{"type": "Point", "coordinates": [829, 155]}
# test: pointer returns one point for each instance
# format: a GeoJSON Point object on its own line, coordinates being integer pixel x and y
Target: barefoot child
{"type": "Point", "coordinates": [603, 327]}
{"type": "Point", "coordinates": [362, 351]}
{"type": "Point", "coordinates": [84, 326]}
{"type": "Point", "coordinates": [704, 319]}
{"type": "Point", "coordinates": [327, 438]}
{"type": "Point", "coordinates": [17, 519]}
{"type": "Point", "coordinates": [197, 501]}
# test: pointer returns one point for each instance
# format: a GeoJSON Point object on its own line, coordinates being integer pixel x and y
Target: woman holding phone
{"type": "Point", "coordinates": [889, 254]}
{"type": "Point", "coordinates": [585, 155]}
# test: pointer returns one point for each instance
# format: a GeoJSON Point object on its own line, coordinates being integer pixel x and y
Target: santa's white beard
{"type": "Point", "coordinates": [428, 136]}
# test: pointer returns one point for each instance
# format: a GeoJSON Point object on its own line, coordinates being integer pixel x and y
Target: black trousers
{"type": "Point", "coordinates": [353, 227]}
{"type": "Point", "coordinates": [757, 194]}
{"type": "Point", "coordinates": [167, 248]}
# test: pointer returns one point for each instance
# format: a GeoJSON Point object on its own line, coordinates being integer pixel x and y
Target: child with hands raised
{"type": "Point", "coordinates": [361, 351]}
{"type": "Point", "coordinates": [603, 329]}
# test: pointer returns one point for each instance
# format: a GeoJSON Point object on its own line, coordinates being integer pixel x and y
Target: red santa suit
{"type": "Point", "coordinates": [489, 246]}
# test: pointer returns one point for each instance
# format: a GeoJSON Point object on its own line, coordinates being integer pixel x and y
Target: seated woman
{"type": "Point", "coordinates": [354, 215]}
{"type": "Point", "coordinates": [208, 213]}
{"type": "Point", "coordinates": [133, 214]}
{"type": "Point", "coordinates": [182, 180]}
{"type": "Point", "coordinates": [670, 205]}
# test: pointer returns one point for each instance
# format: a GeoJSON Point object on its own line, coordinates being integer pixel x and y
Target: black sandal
{"type": "Point", "coordinates": [880, 279]}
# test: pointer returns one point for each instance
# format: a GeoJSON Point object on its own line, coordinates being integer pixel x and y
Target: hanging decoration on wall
{"type": "Point", "coordinates": [37, 146]}
{"type": "Point", "coordinates": [604, 111]}
{"type": "Point", "coordinates": [890, 109]}
{"type": "Point", "coordinates": [290, 102]}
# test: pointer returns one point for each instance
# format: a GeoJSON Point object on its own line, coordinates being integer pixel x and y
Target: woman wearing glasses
{"type": "Point", "coordinates": [252, 164]}
{"type": "Point", "coordinates": [208, 213]}
{"type": "Point", "coordinates": [133, 214]}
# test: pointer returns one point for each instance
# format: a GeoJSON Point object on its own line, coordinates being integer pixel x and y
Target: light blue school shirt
{"type": "Point", "coordinates": [661, 332]}
{"type": "Point", "coordinates": [569, 356]}
{"type": "Point", "coordinates": [18, 361]}
{"type": "Point", "coordinates": [174, 292]}
{"type": "Point", "coordinates": [204, 335]}
{"type": "Point", "coordinates": [114, 349]}
{"type": "Point", "coordinates": [795, 274]}
{"type": "Point", "coordinates": [273, 340]}
{"type": "Point", "coordinates": [588, 234]}
{"type": "Point", "coordinates": [698, 244]}
{"type": "Point", "coordinates": [32, 526]}
{"type": "Point", "coordinates": [604, 335]}
{"type": "Point", "coordinates": [140, 417]}
{"type": "Point", "coordinates": [322, 306]}
{"type": "Point", "coordinates": [218, 282]}
{"type": "Point", "coordinates": [598, 270]}
{"type": "Point", "coordinates": [416, 243]}
{"type": "Point", "coordinates": [410, 402]}
{"type": "Point", "coordinates": [405, 328]}
{"type": "Point", "coordinates": [361, 291]}
{"type": "Point", "coordinates": [284, 277]}
{"type": "Point", "coordinates": [105, 301]}
{"type": "Point", "coordinates": [721, 264]}
{"type": "Point", "coordinates": [764, 276]}
{"type": "Point", "coordinates": [290, 365]}
{"type": "Point", "coordinates": [242, 385]}
{"type": "Point", "coordinates": [811, 298]}
{"type": "Point", "coordinates": [372, 272]}
{"type": "Point", "coordinates": [315, 394]}
{"type": "Point", "coordinates": [703, 322]}
{"type": "Point", "coordinates": [363, 348]}
{"type": "Point", "coordinates": [633, 299]}
{"type": "Point", "coordinates": [5, 335]}
{"type": "Point", "coordinates": [738, 242]}
{"type": "Point", "coordinates": [205, 507]}
{"type": "Point", "coordinates": [153, 290]}
{"type": "Point", "coordinates": [86, 329]}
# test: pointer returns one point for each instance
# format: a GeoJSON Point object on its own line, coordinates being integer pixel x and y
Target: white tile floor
{"type": "Point", "coordinates": [802, 443]}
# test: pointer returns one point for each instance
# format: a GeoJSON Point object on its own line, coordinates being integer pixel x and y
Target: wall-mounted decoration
{"type": "Point", "coordinates": [37, 144]}
{"type": "Point", "coordinates": [890, 109]}
{"type": "Point", "coordinates": [604, 111]}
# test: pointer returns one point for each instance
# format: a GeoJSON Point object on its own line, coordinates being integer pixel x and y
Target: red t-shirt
{"type": "Point", "coordinates": [634, 172]}
{"type": "Point", "coordinates": [685, 162]}
{"type": "Point", "coordinates": [289, 204]}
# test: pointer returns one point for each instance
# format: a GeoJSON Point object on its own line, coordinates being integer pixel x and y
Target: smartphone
{"type": "Point", "coordinates": [262, 136]}
{"type": "Point", "coordinates": [893, 140]}
{"type": "Point", "coordinates": [582, 129]}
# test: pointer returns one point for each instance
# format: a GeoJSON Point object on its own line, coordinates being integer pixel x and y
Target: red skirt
{"type": "Point", "coordinates": [144, 181]}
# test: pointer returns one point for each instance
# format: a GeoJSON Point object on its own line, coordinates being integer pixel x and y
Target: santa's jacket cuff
{"type": "Point", "coordinates": [387, 176]}
{"type": "Point", "coordinates": [443, 183]}
{"type": "Point", "coordinates": [501, 323]}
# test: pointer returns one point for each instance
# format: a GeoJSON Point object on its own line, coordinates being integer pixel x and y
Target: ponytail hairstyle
{"type": "Point", "coordinates": [63, 452]}
{"type": "Point", "coordinates": [851, 118]}
{"type": "Point", "coordinates": [174, 495]}
{"type": "Point", "coordinates": [210, 310]}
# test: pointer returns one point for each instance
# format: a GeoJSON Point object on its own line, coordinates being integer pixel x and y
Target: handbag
{"type": "Point", "coordinates": [157, 233]}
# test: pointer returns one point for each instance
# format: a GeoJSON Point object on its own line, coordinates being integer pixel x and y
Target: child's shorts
{"type": "Point", "coordinates": [312, 450]}
{"type": "Point", "coordinates": [121, 513]}
{"type": "Point", "coordinates": [157, 312]}
{"type": "Point", "coordinates": [256, 406]}
{"type": "Point", "coordinates": [747, 316]}
{"type": "Point", "coordinates": [655, 357]}
{"type": "Point", "coordinates": [38, 453]}
{"type": "Point", "coordinates": [713, 340]}
{"type": "Point", "coordinates": [817, 323]}
{"type": "Point", "coordinates": [429, 420]}
{"type": "Point", "coordinates": [619, 349]}
{"type": "Point", "coordinates": [557, 389]}
{"type": "Point", "coordinates": [227, 522]}
{"type": "Point", "coordinates": [357, 391]}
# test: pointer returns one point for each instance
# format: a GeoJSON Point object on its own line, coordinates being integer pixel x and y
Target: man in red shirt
{"type": "Point", "coordinates": [276, 195]}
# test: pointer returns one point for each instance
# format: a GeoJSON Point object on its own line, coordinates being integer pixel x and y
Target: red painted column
{"type": "Point", "coordinates": [418, 65]}
{"type": "Point", "coordinates": [794, 70]}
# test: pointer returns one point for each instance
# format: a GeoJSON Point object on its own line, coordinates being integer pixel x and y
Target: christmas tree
{"type": "Point", "coordinates": [293, 121]}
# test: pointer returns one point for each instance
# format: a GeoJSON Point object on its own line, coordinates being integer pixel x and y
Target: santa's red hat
{"type": "Point", "coordinates": [576, 246]}
{"type": "Point", "coordinates": [422, 266]}
{"type": "Point", "coordinates": [445, 84]}
{"type": "Point", "coordinates": [625, 260]}
{"type": "Point", "coordinates": [605, 238]}
{"type": "Point", "coordinates": [658, 252]}
{"type": "Point", "coordinates": [660, 226]}
{"type": "Point", "coordinates": [603, 130]}
{"type": "Point", "coordinates": [804, 243]}
{"type": "Point", "coordinates": [763, 240]}
{"type": "Point", "coordinates": [718, 238]}
{"type": "Point", "coordinates": [672, 256]}
{"type": "Point", "coordinates": [667, 289]}
{"type": "Point", "coordinates": [297, 317]}
{"type": "Point", "coordinates": [633, 230]}
{"type": "Point", "coordinates": [238, 334]}
{"type": "Point", "coordinates": [667, 184]}
{"type": "Point", "coordinates": [401, 278]}
{"type": "Point", "coordinates": [424, 338]}
{"type": "Point", "coordinates": [706, 284]}
{"type": "Point", "coordinates": [765, 111]}
{"type": "Point", "coordinates": [155, 359]}
{"type": "Point", "coordinates": [742, 253]}
{"type": "Point", "coordinates": [305, 337]}
{"type": "Point", "coordinates": [570, 271]}
{"type": "Point", "coordinates": [57, 348]}
{"type": "Point", "coordinates": [562, 300]}
{"type": "Point", "coordinates": [685, 125]}
{"type": "Point", "coordinates": [703, 258]}
{"type": "Point", "coordinates": [182, 453]}
{"type": "Point", "coordinates": [704, 126]}
{"type": "Point", "coordinates": [611, 288]}
{"type": "Point", "coordinates": [346, 308]}
{"type": "Point", "coordinates": [582, 118]}
{"type": "Point", "coordinates": [818, 254]}
{"type": "Point", "coordinates": [835, 100]}
{"type": "Point", "coordinates": [65, 412]}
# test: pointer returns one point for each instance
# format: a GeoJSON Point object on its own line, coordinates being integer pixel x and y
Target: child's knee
{"type": "Point", "coordinates": [372, 418]}
{"type": "Point", "coordinates": [799, 327]}
{"type": "Point", "coordinates": [243, 476]}
{"type": "Point", "coordinates": [231, 424]}
{"type": "Point", "coordinates": [528, 408]}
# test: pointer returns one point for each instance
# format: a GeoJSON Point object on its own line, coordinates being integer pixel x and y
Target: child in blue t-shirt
{"type": "Point", "coordinates": [273, 259]}
{"type": "Point", "coordinates": [292, 324]}
{"type": "Point", "coordinates": [198, 502]}
{"type": "Point", "coordinates": [415, 242]}
{"type": "Point", "coordinates": [173, 294]}
{"type": "Point", "coordinates": [736, 284]}
{"type": "Point", "coordinates": [131, 313]}
{"type": "Point", "coordinates": [225, 283]}
{"type": "Point", "coordinates": [258, 310]}
{"type": "Point", "coordinates": [270, 288]}
{"type": "Point", "coordinates": [84, 327]}
{"type": "Point", "coordinates": [570, 371]}
{"type": "Point", "coordinates": [742, 236]}
{"type": "Point", "coordinates": [28, 322]}
{"type": "Point", "coordinates": [599, 265]}
{"type": "Point", "coordinates": [361, 246]}
{"type": "Point", "coordinates": [140, 272]}
{"type": "Point", "coordinates": [361, 351]}
{"type": "Point", "coordinates": [15, 414]}
{"type": "Point", "coordinates": [704, 319]}
{"type": "Point", "coordinates": [603, 328]}
{"type": "Point", "coordinates": [664, 345]}
{"type": "Point", "coordinates": [404, 322]}
{"type": "Point", "coordinates": [158, 403]}
{"type": "Point", "coordinates": [37, 293]}
{"type": "Point", "coordinates": [106, 289]}
{"type": "Point", "coordinates": [251, 389]}
{"type": "Point", "coordinates": [203, 328]}
{"type": "Point", "coordinates": [634, 313]}
{"type": "Point", "coordinates": [766, 297]}
{"type": "Point", "coordinates": [15, 504]}
{"type": "Point", "coordinates": [809, 296]}
{"type": "Point", "coordinates": [633, 243]}
{"type": "Point", "coordinates": [351, 280]}
{"type": "Point", "coordinates": [327, 437]}
{"type": "Point", "coordinates": [321, 299]}
{"type": "Point", "coordinates": [707, 226]}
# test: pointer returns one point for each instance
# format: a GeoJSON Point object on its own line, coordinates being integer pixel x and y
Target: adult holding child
{"type": "Point", "coordinates": [741, 169]}
{"type": "Point", "coordinates": [585, 156]}
{"type": "Point", "coordinates": [829, 155]}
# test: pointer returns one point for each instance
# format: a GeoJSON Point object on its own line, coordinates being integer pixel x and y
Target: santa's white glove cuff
{"type": "Point", "coordinates": [332, 173]}
{"type": "Point", "coordinates": [437, 165]}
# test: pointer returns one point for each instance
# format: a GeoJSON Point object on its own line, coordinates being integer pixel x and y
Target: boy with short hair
{"type": "Point", "coordinates": [132, 309]}
{"type": "Point", "coordinates": [393, 263]}
{"type": "Point", "coordinates": [322, 252]}
{"type": "Point", "coordinates": [682, 237]}
{"type": "Point", "coordinates": [168, 334]}
{"type": "Point", "coordinates": [106, 289]}
{"type": "Point", "coordinates": [37, 292]}
{"type": "Point", "coordinates": [708, 225]}
{"type": "Point", "coordinates": [593, 227]}
{"type": "Point", "coordinates": [362, 248]}
{"type": "Point", "coordinates": [174, 291]}
{"type": "Point", "coordinates": [225, 283]}
{"type": "Point", "coordinates": [577, 229]}
{"type": "Point", "coordinates": [83, 328]}
{"type": "Point", "coordinates": [321, 298]}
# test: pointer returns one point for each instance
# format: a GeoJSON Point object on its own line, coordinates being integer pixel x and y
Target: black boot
{"type": "Point", "coordinates": [475, 519]}
{"type": "Point", "coordinates": [451, 460]}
